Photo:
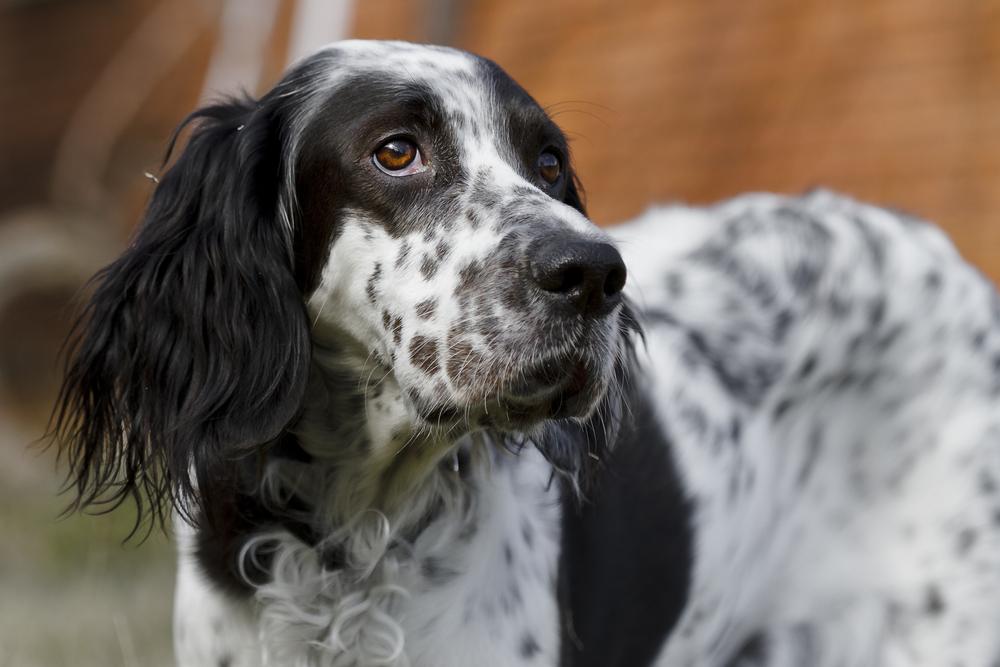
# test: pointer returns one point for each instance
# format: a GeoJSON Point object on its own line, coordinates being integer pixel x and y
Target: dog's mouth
{"type": "Point", "coordinates": [557, 388]}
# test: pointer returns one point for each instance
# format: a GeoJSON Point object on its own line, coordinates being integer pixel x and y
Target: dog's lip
{"type": "Point", "coordinates": [445, 415]}
{"type": "Point", "coordinates": [549, 379]}
{"type": "Point", "coordinates": [559, 400]}
{"type": "Point", "coordinates": [554, 389]}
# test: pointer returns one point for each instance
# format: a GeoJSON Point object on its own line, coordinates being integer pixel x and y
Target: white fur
{"type": "Point", "coordinates": [847, 558]}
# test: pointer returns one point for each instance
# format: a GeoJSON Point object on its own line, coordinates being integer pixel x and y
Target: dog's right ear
{"type": "Point", "coordinates": [194, 349]}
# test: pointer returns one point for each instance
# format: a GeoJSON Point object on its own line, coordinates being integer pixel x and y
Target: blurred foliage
{"type": "Point", "coordinates": [73, 593]}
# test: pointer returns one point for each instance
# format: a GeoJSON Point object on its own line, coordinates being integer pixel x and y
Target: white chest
{"type": "Point", "coordinates": [488, 592]}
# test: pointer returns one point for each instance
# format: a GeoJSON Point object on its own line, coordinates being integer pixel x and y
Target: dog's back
{"type": "Point", "coordinates": [827, 375]}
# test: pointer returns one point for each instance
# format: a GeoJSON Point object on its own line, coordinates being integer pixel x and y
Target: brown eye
{"type": "Point", "coordinates": [549, 167]}
{"type": "Point", "coordinates": [398, 157]}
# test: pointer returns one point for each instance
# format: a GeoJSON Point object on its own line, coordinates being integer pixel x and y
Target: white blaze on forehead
{"type": "Point", "coordinates": [411, 61]}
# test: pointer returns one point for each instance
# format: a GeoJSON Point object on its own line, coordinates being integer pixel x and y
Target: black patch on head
{"type": "Point", "coordinates": [526, 130]}
{"type": "Point", "coordinates": [336, 175]}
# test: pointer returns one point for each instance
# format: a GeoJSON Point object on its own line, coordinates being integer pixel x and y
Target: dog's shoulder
{"type": "Point", "coordinates": [816, 364]}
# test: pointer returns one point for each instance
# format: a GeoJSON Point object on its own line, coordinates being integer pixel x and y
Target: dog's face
{"type": "Point", "coordinates": [391, 214]}
{"type": "Point", "coordinates": [444, 242]}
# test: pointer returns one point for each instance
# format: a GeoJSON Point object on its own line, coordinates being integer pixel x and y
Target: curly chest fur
{"type": "Point", "coordinates": [479, 577]}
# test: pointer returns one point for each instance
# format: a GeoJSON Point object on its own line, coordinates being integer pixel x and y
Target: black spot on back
{"type": "Point", "coordinates": [934, 604]}
{"type": "Point", "coordinates": [529, 646]}
{"type": "Point", "coordinates": [966, 540]}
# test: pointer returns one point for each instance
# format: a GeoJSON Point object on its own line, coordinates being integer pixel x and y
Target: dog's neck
{"type": "Point", "coordinates": [468, 557]}
{"type": "Point", "coordinates": [369, 454]}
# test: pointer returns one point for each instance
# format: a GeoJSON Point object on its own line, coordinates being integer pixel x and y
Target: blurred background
{"type": "Point", "coordinates": [895, 101]}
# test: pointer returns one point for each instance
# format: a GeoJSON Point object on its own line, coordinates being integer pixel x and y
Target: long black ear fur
{"type": "Point", "coordinates": [194, 348]}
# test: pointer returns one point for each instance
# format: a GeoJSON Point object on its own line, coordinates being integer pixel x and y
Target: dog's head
{"type": "Point", "coordinates": [408, 212]}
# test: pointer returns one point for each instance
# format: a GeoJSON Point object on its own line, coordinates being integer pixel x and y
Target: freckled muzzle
{"type": "Point", "coordinates": [547, 312]}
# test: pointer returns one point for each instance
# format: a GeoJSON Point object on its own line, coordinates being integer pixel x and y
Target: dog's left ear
{"type": "Point", "coordinates": [194, 349]}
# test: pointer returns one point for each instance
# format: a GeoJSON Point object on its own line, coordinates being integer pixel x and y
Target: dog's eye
{"type": "Point", "coordinates": [398, 157]}
{"type": "Point", "coordinates": [549, 167]}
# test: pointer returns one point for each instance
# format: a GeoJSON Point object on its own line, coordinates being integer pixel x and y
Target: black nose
{"type": "Point", "coordinates": [589, 275]}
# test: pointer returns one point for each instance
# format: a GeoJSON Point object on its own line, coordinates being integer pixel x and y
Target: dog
{"type": "Point", "coordinates": [369, 353]}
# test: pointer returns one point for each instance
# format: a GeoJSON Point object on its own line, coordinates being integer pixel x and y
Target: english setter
{"type": "Point", "coordinates": [368, 349]}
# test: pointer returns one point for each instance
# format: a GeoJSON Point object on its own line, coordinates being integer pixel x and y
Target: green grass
{"type": "Point", "coordinates": [72, 593]}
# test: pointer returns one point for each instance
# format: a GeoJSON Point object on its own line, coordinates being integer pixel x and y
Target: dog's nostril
{"type": "Point", "coordinates": [568, 278]}
{"type": "Point", "coordinates": [615, 282]}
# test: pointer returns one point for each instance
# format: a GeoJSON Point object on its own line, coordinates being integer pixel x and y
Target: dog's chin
{"type": "Point", "coordinates": [574, 393]}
